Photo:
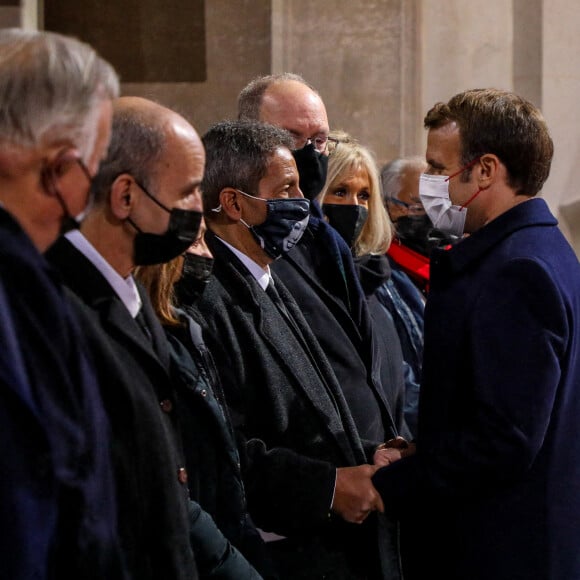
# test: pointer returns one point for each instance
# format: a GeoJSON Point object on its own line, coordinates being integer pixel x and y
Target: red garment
{"type": "Point", "coordinates": [414, 264]}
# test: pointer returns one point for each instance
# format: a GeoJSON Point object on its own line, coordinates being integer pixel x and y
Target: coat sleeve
{"type": "Point", "coordinates": [516, 338]}
{"type": "Point", "coordinates": [287, 491]}
{"type": "Point", "coordinates": [214, 554]}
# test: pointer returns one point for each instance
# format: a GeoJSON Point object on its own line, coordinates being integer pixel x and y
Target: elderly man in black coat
{"type": "Point", "coordinates": [305, 467]}
{"type": "Point", "coordinates": [57, 500]}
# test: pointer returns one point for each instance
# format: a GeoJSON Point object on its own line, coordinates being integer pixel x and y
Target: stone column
{"type": "Point", "coordinates": [362, 58]}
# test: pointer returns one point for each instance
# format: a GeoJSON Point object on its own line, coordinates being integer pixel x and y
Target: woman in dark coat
{"type": "Point", "coordinates": [351, 202]}
{"type": "Point", "coordinates": [212, 460]}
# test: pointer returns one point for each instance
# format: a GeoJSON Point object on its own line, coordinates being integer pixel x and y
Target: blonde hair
{"type": "Point", "coordinates": [349, 154]}
{"type": "Point", "coordinates": [159, 281]}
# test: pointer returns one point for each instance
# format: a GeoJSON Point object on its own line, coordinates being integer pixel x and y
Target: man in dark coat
{"type": "Point", "coordinates": [57, 501]}
{"type": "Point", "coordinates": [146, 210]}
{"type": "Point", "coordinates": [492, 491]}
{"type": "Point", "coordinates": [304, 461]}
{"type": "Point", "coordinates": [319, 272]}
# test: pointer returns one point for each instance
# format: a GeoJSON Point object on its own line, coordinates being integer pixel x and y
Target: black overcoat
{"type": "Point", "coordinates": [139, 398]}
{"type": "Point", "coordinates": [286, 402]}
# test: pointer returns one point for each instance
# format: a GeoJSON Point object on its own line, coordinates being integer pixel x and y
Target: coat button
{"type": "Point", "coordinates": [166, 405]}
{"type": "Point", "coordinates": [182, 475]}
{"type": "Point", "coordinates": [203, 393]}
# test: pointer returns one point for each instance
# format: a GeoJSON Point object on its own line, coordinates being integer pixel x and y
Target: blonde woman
{"type": "Point", "coordinates": [352, 203]}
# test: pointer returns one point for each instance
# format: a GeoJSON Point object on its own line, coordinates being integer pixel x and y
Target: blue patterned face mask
{"type": "Point", "coordinates": [286, 221]}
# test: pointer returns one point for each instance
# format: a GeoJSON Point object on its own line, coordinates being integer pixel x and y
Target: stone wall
{"type": "Point", "coordinates": [380, 64]}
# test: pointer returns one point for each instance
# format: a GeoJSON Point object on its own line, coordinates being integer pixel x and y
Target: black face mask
{"type": "Point", "coordinates": [196, 273]}
{"type": "Point", "coordinates": [413, 227]}
{"type": "Point", "coordinates": [347, 220]}
{"type": "Point", "coordinates": [312, 167]}
{"type": "Point", "coordinates": [181, 232]}
{"type": "Point", "coordinates": [417, 232]}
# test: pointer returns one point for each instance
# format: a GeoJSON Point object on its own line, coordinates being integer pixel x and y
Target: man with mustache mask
{"type": "Point", "coordinates": [304, 468]}
{"type": "Point", "coordinates": [147, 210]}
{"type": "Point", "coordinates": [319, 272]}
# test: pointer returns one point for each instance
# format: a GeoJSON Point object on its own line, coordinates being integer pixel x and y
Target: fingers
{"type": "Point", "coordinates": [383, 457]}
{"type": "Point", "coordinates": [355, 496]}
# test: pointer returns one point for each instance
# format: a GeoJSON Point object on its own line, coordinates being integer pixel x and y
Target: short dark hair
{"type": "Point", "coordinates": [137, 142]}
{"type": "Point", "coordinates": [502, 123]}
{"type": "Point", "coordinates": [237, 155]}
{"type": "Point", "coordinates": [250, 97]}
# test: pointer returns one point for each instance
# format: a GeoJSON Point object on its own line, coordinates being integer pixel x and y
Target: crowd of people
{"type": "Point", "coordinates": [255, 354]}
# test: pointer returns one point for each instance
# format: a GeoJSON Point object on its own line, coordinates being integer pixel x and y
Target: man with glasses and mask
{"type": "Point", "coordinates": [319, 272]}
{"type": "Point", "coordinates": [492, 491]}
{"type": "Point", "coordinates": [147, 210]}
{"type": "Point", "coordinates": [304, 468]}
{"type": "Point", "coordinates": [57, 500]}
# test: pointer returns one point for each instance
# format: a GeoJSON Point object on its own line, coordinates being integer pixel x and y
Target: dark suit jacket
{"type": "Point", "coordinates": [140, 400]}
{"type": "Point", "coordinates": [497, 470]}
{"type": "Point", "coordinates": [57, 501]}
{"type": "Point", "coordinates": [294, 418]}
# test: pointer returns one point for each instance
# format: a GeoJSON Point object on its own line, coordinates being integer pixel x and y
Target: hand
{"type": "Point", "coordinates": [386, 456]}
{"type": "Point", "coordinates": [355, 496]}
{"type": "Point", "coordinates": [390, 451]}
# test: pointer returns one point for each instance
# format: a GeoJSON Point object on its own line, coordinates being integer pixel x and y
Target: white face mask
{"type": "Point", "coordinates": [434, 194]}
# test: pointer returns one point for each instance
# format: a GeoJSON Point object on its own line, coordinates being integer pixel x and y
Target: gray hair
{"type": "Point", "coordinates": [250, 98]}
{"type": "Point", "coordinates": [51, 87]}
{"type": "Point", "coordinates": [137, 142]}
{"type": "Point", "coordinates": [237, 155]}
{"type": "Point", "coordinates": [392, 171]}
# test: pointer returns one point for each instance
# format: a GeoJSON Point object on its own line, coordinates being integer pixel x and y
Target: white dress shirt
{"type": "Point", "coordinates": [125, 288]}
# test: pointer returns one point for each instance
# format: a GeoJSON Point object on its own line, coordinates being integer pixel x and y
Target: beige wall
{"type": "Point", "coordinates": [361, 57]}
{"type": "Point", "coordinates": [380, 64]}
{"type": "Point", "coordinates": [238, 48]}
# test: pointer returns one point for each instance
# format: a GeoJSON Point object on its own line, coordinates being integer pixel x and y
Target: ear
{"type": "Point", "coordinates": [229, 202]}
{"type": "Point", "coordinates": [122, 196]}
{"type": "Point", "coordinates": [489, 165]}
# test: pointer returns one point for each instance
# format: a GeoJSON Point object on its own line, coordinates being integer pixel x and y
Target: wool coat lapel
{"type": "Point", "coordinates": [329, 405]}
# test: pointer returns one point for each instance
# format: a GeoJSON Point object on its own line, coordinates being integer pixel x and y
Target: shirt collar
{"type": "Point", "coordinates": [125, 288]}
{"type": "Point", "coordinates": [262, 275]}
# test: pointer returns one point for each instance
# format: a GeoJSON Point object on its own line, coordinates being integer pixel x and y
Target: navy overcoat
{"type": "Point", "coordinates": [494, 489]}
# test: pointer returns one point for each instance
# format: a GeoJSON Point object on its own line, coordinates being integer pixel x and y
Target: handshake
{"type": "Point", "coordinates": [355, 497]}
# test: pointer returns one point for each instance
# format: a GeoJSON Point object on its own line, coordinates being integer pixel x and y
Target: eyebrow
{"type": "Point", "coordinates": [191, 187]}
{"type": "Point", "coordinates": [435, 164]}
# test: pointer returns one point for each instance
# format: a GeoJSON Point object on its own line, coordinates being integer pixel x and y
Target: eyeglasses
{"type": "Point", "coordinates": [413, 208]}
{"type": "Point", "coordinates": [322, 143]}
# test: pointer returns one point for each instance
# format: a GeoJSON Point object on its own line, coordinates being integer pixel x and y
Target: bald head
{"type": "Point", "coordinates": [285, 101]}
{"type": "Point", "coordinates": [141, 135]}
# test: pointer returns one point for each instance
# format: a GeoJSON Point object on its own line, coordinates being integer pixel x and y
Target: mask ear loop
{"type": "Point", "coordinates": [465, 168]}
{"type": "Point", "coordinates": [48, 180]}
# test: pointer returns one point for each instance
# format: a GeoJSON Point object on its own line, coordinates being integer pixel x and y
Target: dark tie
{"type": "Point", "coordinates": [278, 302]}
{"type": "Point", "coordinates": [142, 323]}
